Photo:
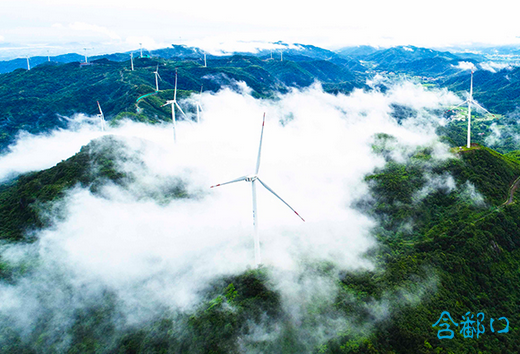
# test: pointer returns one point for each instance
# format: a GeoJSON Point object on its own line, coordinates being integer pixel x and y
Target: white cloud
{"type": "Point", "coordinates": [154, 254]}
{"type": "Point", "coordinates": [495, 66]}
{"type": "Point", "coordinates": [465, 65]}
{"type": "Point", "coordinates": [86, 27]}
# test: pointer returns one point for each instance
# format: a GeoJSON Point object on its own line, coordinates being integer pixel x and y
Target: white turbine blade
{"type": "Point", "coordinates": [175, 91]}
{"type": "Point", "coordinates": [471, 87]}
{"type": "Point", "coordinates": [160, 78]}
{"type": "Point", "coordinates": [167, 103]}
{"type": "Point", "coordinates": [233, 181]}
{"type": "Point", "coordinates": [180, 109]}
{"type": "Point", "coordinates": [270, 190]}
{"type": "Point", "coordinates": [460, 104]}
{"type": "Point", "coordinates": [480, 107]}
{"type": "Point", "coordinates": [100, 111]}
{"type": "Point", "coordinates": [260, 147]}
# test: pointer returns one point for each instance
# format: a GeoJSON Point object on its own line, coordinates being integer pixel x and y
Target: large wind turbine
{"type": "Point", "coordinates": [101, 117]}
{"type": "Point", "coordinates": [470, 101]}
{"type": "Point", "coordinates": [157, 77]}
{"type": "Point", "coordinates": [174, 103]}
{"type": "Point", "coordinates": [253, 178]}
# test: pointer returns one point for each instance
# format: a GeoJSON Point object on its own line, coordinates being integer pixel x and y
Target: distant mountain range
{"type": "Point", "coordinates": [63, 85]}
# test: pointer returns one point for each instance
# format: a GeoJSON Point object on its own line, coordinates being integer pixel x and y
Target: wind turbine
{"type": "Point", "coordinates": [253, 178]}
{"type": "Point", "coordinates": [141, 49]}
{"type": "Point", "coordinates": [470, 101]}
{"type": "Point", "coordinates": [157, 77]}
{"type": "Point", "coordinates": [101, 117]}
{"type": "Point", "coordinates": [132, 60]}
{"type": "Point", "coordinates": [86, 59]}
{"type": "Point", "coordinates": [205, 62]}
{"type": "Point", "coordinates": [174, 103]}
{"type": "Point", "coordinates": [28, 64]}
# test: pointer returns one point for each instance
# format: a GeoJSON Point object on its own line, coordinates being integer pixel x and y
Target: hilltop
{"type": "Point", "coordinates": [451, 224]}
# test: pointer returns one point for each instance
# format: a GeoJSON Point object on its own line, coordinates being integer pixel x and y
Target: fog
{"type": "Point", "coordinates": [157, 253]}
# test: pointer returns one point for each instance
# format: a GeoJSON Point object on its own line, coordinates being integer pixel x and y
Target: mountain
{"type": "Point", "coordinates": [38, 99]}
{"type": "Point", "coordinates": [460, 252]}
{"type": "Point", "coordinates": [498, 92]}
{"type": "Point", "coordinates": [357, 51]}
{"type": "Point", "coordinates": [21, 63]}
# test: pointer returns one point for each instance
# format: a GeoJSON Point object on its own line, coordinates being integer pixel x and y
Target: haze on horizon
{"type": "Point", "coordinates": [31, 27]}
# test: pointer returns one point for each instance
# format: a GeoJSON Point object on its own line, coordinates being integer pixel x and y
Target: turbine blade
{"type": "Point", "coordinates": [180, 109]}
{"type": "Point", "coordinates": [270, 190]}
{"type": "Point", "coordinates": [260, 147]}
{"type": "Point", "coordinates": [480, 107]}
{"type": "Point", "coordinates": [99, 106]}
{"type": "Point", "coordinates": [460, 104]}
{"type": "Point", "coordinates": [233, 181]}
{"type": "Point", "coordinates": [175, 92]}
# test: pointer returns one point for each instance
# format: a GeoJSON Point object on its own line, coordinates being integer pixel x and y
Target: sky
{"type": "Point", "coordinates": [104, 26]}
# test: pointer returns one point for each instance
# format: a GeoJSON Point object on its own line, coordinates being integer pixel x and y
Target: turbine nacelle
{"type": "Point", "coordinates": [251, 178]}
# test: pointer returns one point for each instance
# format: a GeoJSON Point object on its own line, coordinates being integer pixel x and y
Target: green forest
{"type": "Point", "coordinates": [454, 249]}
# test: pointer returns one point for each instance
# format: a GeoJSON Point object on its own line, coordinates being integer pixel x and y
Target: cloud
{"type": "Point", "coordinates": [495, 66]}
{"type": "Point", "coordinates": [148, 43]}
{"type": "Point", "coordinates": [153, 252]}
{"type": "Point", "coordinates": [86, 27]}
{"type": "Point", "coordinates": [37, 152]}
{"type": "Point", "coordinates": [465, 65]}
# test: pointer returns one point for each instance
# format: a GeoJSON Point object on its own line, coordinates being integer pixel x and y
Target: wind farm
{"type": "Point", "coordinates": [114, 240]}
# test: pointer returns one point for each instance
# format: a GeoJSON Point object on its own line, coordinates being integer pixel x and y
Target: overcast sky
{"type": "Point", "coordinates": [105, 24]}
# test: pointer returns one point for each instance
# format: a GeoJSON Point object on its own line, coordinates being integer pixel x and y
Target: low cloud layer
{"type": "Point", "coordinates": [155, 254]}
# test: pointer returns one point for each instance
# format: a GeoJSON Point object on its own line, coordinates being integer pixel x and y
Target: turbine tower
{"type": "Point", "coordinates": [470, 101]}
{"type": "Point", "coordinates": [86, 58]}
{"type": "Point", "coordinates": [132, 61]}
{"type": "Point", "coordinates": [174, 103]}
{"type": "Point", "coordinates": [253, 178]}
{"type": "Point", "coordinates": [101, 117]}
{"type": "Point", "coordinates": [205, 62]}
{"type": "Point", "coordinates": [199, 107]}
{"type": "Point", "coordinates": [141, 48]}
{"type": "Point", "coordinates": [28, 64]}
{"type": "Point", "coordinates": [157, 77]}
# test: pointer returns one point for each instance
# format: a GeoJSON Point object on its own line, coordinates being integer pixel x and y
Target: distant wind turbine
{"type": "Point", "coordinates": [470, 101]}
{"type": "Point", "coordinates": [253, 178]}
{"type": "Point", "coordinates": [132, 61]}
{"type": "Point", "coordinates": [157, 77]}
{"type": "Point", "coordinates": [141, 48]}
{"type": "Point", "coordinates": [101, 117]}
{"type": "Point", "coordinates": [205, 62]}
{"type": "Point", "coordinates": [174, 103]}
{"type": "Point", "coordinates": [86, 58]}
{"type": "Point", "coordinates": [28, 64]}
